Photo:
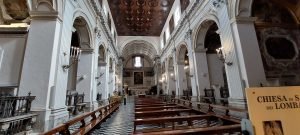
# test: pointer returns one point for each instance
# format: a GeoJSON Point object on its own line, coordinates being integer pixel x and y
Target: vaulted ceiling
{"type": "Point", "coordinates": [140, 17]}
{"type": "Point", "coordinates": [139, 47]}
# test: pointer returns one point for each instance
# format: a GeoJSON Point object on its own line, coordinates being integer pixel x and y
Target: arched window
{"type": "Point", "coordinates": [137, 62]}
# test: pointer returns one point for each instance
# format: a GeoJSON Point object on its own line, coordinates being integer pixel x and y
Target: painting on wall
{"type": "Point", "coordinates": [138, 78]}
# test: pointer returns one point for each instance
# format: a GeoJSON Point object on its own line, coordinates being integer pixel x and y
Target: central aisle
{"type": "Point", "coordinates": [120, 123]}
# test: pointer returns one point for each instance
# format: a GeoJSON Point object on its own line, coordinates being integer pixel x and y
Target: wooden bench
{"type": "Point", "coordinates": [152, 105]}
{"type": "Point", "coordinates": [160, 113]}
{"type": "Point", "coordinates": [205, 131]}
{"type": "Point", "coordinates": [156, 108]}
{"type": "Point", "coordinates": [104, 112]}
{"type": "Point", "coordinates": [211, 109]}
{"type": "Point", "coordinates": [163, 120]}
{"type": "Point", "coordinates": [226, 109]}
{"type": "Point", "coordinates": [223, 101]}
{"type": "Point", "coordinates": [183, 102]}
{"type": "Point", "coordinates": [147, 114]}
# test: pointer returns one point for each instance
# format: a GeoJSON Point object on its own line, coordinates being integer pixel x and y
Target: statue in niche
{"type": "Point", "coordinates": [16, 9]}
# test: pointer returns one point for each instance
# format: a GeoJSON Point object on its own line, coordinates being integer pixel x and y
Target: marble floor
{"type": "Point", "coordinates": [120, 123]}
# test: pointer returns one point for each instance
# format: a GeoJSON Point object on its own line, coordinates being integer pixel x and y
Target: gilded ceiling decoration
{"type": "Point", "coordinates": [140, 17]}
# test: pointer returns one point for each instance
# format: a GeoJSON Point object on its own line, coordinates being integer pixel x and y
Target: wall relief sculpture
{"type": "Point", "coordinates": [14, 11]}
{"type": "Point", "coordinates": [279, 48]}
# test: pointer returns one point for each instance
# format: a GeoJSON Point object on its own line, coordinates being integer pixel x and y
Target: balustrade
{"type": "Point", "coordinates": [15, 116]}
{"type": "Point", "coordinates": [11, 106]}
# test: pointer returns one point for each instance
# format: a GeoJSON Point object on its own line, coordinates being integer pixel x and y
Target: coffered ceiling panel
{"type": "Point", "coordinates": [140, 17]}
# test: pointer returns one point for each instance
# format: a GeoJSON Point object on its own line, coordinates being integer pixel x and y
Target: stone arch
{"type": "Point", "coordinates": [82, 24]}
{"type": "Point", "coordinates": [140, 39]}
{"type": "Point", "coordinates": [139, 47]}
{"type": "Point", "coordinates": [202, 28]}
{"type": "Point", "coordinates": [240, 8]}
{"type": "Point", "coordinates": [147, 58]}
{"type": "Point", "coordinates": [181, 53]}
{"type": "Point", "coordinates": [279, 44]}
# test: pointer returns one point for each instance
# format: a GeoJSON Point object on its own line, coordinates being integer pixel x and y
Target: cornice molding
{"type": "Point", "coordinates": [180, 26]}
{"type": "Point", "coordinates": [103, 22]}
{"type": "Point", "coordinates": [14, 30]}
{"type": "Point", "coordinates": [45, 15]}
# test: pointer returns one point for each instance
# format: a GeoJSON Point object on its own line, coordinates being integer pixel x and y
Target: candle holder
{"type": "Point", "coordinates": [74, 57]}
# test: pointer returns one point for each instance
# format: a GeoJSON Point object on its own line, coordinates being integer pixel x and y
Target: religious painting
{"type": "Point", "coordinates": [273, 127]}
{"type": "Point", "coordinates": [138, 78]}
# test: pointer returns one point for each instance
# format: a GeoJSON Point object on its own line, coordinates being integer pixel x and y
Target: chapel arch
{"type": "Point", "coordinates": [277, 30]}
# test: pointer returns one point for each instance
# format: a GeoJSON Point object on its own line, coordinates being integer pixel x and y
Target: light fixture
{"type": "Point", "coordinates": [74, 57]}
{"type": "Point", "coordinates": [222, 56]}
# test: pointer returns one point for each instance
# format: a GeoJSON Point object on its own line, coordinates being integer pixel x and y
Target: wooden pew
{"type": "Point", "coordinates": [229, 125]}
{"type": "Point", "coordinates": [204, 131]}
{"type": "Point", "coordinates": [163, 120]}
{"type": "Point", "coordinates": [156, 108]}
{"type": "Point", "coordinates": [152, 105]}
{"type": "Point", "coordinates": [104, 112]}
{"type": "Point", "coordinates": [227, 110]}
{"type": "Point", "coordinates": [160, 113]}
{"type": "Point", "coordinates": [210, 109]}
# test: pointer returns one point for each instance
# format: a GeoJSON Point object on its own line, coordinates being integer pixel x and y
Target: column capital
{"type": "Point", "coordinates": [45, 15]}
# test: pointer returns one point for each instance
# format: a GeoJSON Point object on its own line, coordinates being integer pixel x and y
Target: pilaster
{"type": "Point", "coordinates": [249, 55]}
{"type": "Point", "coordinates": [85, 79]}
{"type": "Point", "coordinates": [39, 70]}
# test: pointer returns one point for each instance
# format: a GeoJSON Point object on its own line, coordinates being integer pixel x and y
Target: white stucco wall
{"type": "Point", "coordinates": [11, 57]}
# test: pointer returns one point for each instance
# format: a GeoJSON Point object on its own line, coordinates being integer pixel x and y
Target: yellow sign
{"type": "Point", "coordinates": [274, 110]}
